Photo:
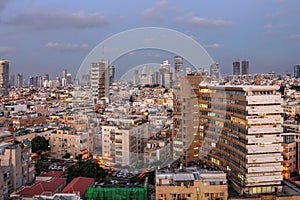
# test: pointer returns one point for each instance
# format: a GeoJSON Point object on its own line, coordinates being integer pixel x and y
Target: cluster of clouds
{"type": "Point", "coordinates": [50, 19]}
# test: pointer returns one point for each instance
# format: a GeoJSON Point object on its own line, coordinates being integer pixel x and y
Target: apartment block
{"type": "Point", "coordinates": [241, 128]}
{"type": "Point", "coordinates": [66, 140]}
{"type": "Point", "coordinates": [21, 170]}
{"type": "Point", "coordinates": [191, 183]}
{"type": "Point", "coordinates": [123, 140]}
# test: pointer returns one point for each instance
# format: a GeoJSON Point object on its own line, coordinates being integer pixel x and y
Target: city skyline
{"type": "Point", "coordinates": [53, 35]}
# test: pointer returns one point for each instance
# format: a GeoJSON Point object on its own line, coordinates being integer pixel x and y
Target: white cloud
{"type": "Point", "coordinates": [213, 46]}
{"type": "Point", "coordinates": [294, 36]}
{"type": "Point", "coordinates": [155, 12]}
{"type": "Point", "coordinates": [5, 49]}
{"type": "Point", "coordinates": [53, 19]}
{"type": "Point", "coordinates": [161, 3]}
{"type": "Point", "coordinates": [210, 22]}
{"type": "Point", "coordinates": [66, 46]}
{"type": "Point", "coordinates": [190, 19]}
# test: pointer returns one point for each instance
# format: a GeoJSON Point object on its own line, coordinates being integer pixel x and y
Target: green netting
{"type": "Point", "coordinates": [137, 193]}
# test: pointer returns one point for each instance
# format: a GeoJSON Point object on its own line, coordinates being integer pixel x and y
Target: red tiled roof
{"type": "Point", "coordinates": [41, 187]}
{"type": "Point", "coordinates": [79, 184]}
{"type": "Point", "coordinates": [53, 174]}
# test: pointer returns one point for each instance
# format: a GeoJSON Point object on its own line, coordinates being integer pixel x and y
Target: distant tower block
{"type": "Point", "coordinates": [178, 62]}
{"type": "Point", "coordinates": [297, 71]}
{"type": "Point", "coordinates": [236, 68]}
{"type": "Point", "coordinates": [245, 67]}
{"type": "Point", "coordinates": [4, 77]}
{"type": "Point", "coordinates": [215, 70]}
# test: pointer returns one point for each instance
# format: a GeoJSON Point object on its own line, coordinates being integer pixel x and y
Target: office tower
{"type": "Point", "coordinates": [19, 80]}
{"type": "Point", "coordinates": [297, 71]}
{"type": "Point", "coordinates": [112, 72]}
{"type": "Point", "coordinates": [12, 80]}
{"type": "Point", "coordinates": [245, 67]}
{"type": "Point", "coordinates": [242, 127]}
{"type": "Point", "coordinates": [236, 68]}
{"type": "Point", "coordinates": [99, 79]}
{"type": "Point", "coordinates": [136, 77]}
{"type": "Point", "coordinates": [40, 81]}
{"type": "Point", "coordinates": [4, 77]}
{"type": "Point", "coordinates": [166, 66]}
{"type": "Point", "coordinates": [64, 73]}
{"type": "Point", "coordinates": [178, 62]}
{"type": "Point", "coordinates": [165, 74]}
{"type": "Point", "coordinates": [215, 70]}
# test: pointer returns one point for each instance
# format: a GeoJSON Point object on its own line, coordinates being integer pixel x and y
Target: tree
{"type": "Point", "coordinates": [86, 169]}
{"type": "Point", "coordinates": [39, 143]}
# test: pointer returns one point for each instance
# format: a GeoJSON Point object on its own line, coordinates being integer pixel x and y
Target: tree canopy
{"type": "Point", "coordinates": [39, 143]}
{"type": "Point", "coordinates": [86, 169]}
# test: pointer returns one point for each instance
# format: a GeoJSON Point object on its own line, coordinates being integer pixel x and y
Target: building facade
{"type": "Point", "coordinates": [297, 71]}
{"type": "Point", "coordinates": [123, 140]}
{"type": "Point", "coordinates": [4, 77]}
{"type": "Point", "coordinates": [99, 74]}
{"type": "Point", "coordinates": [21, 170]}
{"type": "Point", "coordinates": [67, 140]}
{"type": "Point", "coordinates": [241, 128]}
{"type": "Point", "coordinates": [245, 67]}
{"type": "Point", "coordinates": [236, 68]}
{"type": "Point", "coordinates": [191, 184]}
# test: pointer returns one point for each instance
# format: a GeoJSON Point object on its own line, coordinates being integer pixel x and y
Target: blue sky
{"type": "Point", "coordinates": [46, 36]}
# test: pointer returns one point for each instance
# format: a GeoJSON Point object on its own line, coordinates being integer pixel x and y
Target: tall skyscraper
{"type": "Point", "coordinates": [297, 71]}
{"type": "Point", "coordinates": [242, 127]}
{"type": "Point", "coordinates": [4, 77]}
{"type": "Point", "coordinates": [178, 62]}
{"type": "Point", "coordinates": [112, 72]}
{"type": "Point", "coordinates": [245, 67]}
{"type": "Point", "coordinates": [236, 68]}
{"type": "Point", "coordinates": [100, 79]}
{"type": "Point", "coordinates": [19, 81]}
{"type": "Point", "coordinates": [12, 80]}
{"type": "Point", "coordinates": [165, 74]}
{"type": "Point", "coordinates": [215, 70]}
{"type": "Point", "coordinates": [64, 73]}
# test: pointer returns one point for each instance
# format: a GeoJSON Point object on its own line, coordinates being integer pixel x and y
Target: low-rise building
{"type": "Point", "coordinates": [66, 140]}
{"type": "Point", "coordinates": [191, 183]}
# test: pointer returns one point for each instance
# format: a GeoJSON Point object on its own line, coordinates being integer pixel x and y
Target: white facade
{"type": "Point", "coordinates": [123, 140]}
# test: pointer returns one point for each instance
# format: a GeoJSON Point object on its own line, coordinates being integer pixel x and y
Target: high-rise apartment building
{"type": "Point", "coordinates": [19, 80]}
{"type": "Point", "coordinates": [236, 68]}
{"type": "Point", "coordinates": [245, 67]}
{"type": "Point", "coordinates": [297, 71]}
{"type": "Point", "coordinates": [165, 74]}
{"type": "Point", "coordinates": [241, 128]}
{"type": "Point", "coordinates": [4, 77]}
{"type": "Point", "coordinates": [64, 73]}
{"type": "Point", "coordinates": [100, 79]}
{"type": "Point", "coordinates": [215, 70]}
{"type": "Point", "coordinates": [178, 64]}
{"type": "Point", "coordinates": [186, 119]}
